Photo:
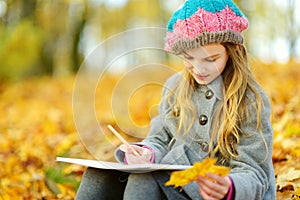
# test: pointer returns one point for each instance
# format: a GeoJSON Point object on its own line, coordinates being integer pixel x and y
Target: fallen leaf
{"type": "Point", "coordinates": [184, 177]}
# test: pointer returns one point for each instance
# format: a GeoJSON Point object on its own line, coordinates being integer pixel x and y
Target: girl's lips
{"type": "Point", "coordinates": [201, 77]}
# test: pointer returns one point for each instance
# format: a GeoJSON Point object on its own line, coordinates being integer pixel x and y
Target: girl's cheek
{"type": "Point", "coordinates": [185, 63]}
{"type": "Point", "coordinates": [189, 68]}
{"type": "Point", "coordinates": [188, 65]}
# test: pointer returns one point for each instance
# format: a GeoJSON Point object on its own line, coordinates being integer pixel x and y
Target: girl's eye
{"type": "Point", "coordinates": [188, 58]}
{"type": "Point", "coordinates": [211, 60]}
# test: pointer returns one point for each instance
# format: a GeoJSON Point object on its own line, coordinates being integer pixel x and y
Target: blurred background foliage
{"type": "Point", "coordinates": [44, 42]}
{"type": "Point", "coordinates": [53, 37]}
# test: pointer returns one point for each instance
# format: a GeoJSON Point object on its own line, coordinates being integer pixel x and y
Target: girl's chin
{"type": "Point", "coordinates": [202, 81]}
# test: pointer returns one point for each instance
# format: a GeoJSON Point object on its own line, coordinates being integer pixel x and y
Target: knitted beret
{"type": "Point", "coordinates": [201, 22]}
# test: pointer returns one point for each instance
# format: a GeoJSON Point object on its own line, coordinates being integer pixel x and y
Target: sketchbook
{"type": "Point", "coordinates": [134, 168]}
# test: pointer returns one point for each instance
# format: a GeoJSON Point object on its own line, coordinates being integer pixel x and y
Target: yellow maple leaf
{"type": "Point", "coordinates": [296, 195]}
{"type": "Point", "coordinates": [184, 177]}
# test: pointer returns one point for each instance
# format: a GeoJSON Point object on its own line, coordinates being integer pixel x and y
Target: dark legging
{"type": "Point", "coordinates": [111, 184]}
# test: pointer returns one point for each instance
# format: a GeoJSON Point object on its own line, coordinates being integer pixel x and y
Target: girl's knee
{"type": "Point", "coordinates": [142, 186]}
{"type": "Point", "coordinates": [100, 174]}
{"type": "Point", "coordinates": [99, 183]}
{"type": "Point", "coordinates": [141, 178]}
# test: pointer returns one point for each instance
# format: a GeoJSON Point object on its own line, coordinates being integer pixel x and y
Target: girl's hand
{"type": "Point", "coordinates": [217, 188]}
{"type": "Point", "coordinates": [131, 158]}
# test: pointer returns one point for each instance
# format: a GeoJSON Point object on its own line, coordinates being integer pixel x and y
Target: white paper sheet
{"type": "Point", "coordinates": [136, 168]}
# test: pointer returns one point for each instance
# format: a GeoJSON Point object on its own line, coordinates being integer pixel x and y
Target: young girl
{"type": "Point", "coordinates": [214, 108]}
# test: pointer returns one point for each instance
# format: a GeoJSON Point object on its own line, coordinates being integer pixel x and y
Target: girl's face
{"type": "Point", "coordinates": [206, 63]}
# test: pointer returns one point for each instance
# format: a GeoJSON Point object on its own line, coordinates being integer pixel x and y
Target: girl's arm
{"type": "Point", "coordinates": [252, 175]}
{"type": "Point", "coordinates": [252, 172]}
{"type": "Point", "coordinates": [220, 188]}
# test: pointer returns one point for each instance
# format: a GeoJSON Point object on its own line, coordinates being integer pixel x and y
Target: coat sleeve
{"type": "Point", "coordinates": [252, 172]}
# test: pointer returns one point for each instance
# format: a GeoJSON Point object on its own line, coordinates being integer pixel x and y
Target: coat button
{"type": "Point", "coordinates": [204, 146]}
{"type": "Point", "coordinates": [176, 112]}
{"type": "Point", "coordinates": [203, 119]}
{"type": "Point", "coordinates": [209, 94]}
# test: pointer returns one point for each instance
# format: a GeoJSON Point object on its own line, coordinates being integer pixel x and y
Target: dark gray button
{"type": "Point", "coordinates": [204, 146]}
{"type": "Point", "coordinates": [203, 119]}
{"type": "Point", "coordinates": [209, 94]}
{"type": "Point", "coordinates": [176, 112]}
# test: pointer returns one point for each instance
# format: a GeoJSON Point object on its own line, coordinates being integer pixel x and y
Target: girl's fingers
{"type": "Point", "coordinates": [124, 148]}
{"type": "Point", "coordinates": [205, 195]}
{"type": "Point", "coordinates": [127, 149]}
{"type": "Point", "coordinates": [217, 188]}
{"type": "Point", "coordinates": [209, 193]}
{"type": "Point", "coordinates": [131, 158]}
{"type": "Point", "coordinates": [219, 179]}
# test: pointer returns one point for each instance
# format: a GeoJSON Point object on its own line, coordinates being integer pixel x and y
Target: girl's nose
{"type": "Point", "coordinates": [200, 69]}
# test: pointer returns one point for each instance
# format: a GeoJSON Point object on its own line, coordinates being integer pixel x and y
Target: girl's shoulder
{"type": "Point", "coordinates": [255, 88]}
{"type": "Point", "coordinates": [173, 81]}
{"type": "Point", "coordinates": [253, 91]}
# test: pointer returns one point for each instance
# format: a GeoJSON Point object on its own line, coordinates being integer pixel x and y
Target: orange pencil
{"type": "Point", "coordinates": [122, 140]}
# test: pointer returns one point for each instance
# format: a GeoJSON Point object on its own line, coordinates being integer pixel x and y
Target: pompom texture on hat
{"type": "Point", "coordinates": [200, 22]}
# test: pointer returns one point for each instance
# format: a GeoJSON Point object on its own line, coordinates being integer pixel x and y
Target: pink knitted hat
{"type": "Point", "coordinates": [201, 22]}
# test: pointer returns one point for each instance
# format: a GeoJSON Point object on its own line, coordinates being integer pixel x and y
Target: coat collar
{"type": "Point", "coordinates": [216, 86]}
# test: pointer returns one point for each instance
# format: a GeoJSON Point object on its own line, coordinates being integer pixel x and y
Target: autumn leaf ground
{"type": "Point", "coordinates": [36, 125]}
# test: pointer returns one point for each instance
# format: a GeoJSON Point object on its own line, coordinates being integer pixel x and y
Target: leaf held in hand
{"type": "Point", "coordinates": [184, 177]}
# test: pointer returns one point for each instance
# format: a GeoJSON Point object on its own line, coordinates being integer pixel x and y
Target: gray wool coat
{"type": "Point", "coordinates": [252, 172]}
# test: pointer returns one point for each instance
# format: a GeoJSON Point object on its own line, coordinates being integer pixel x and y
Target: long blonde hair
{"type": "Point", "coordinates": [231, 112]}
